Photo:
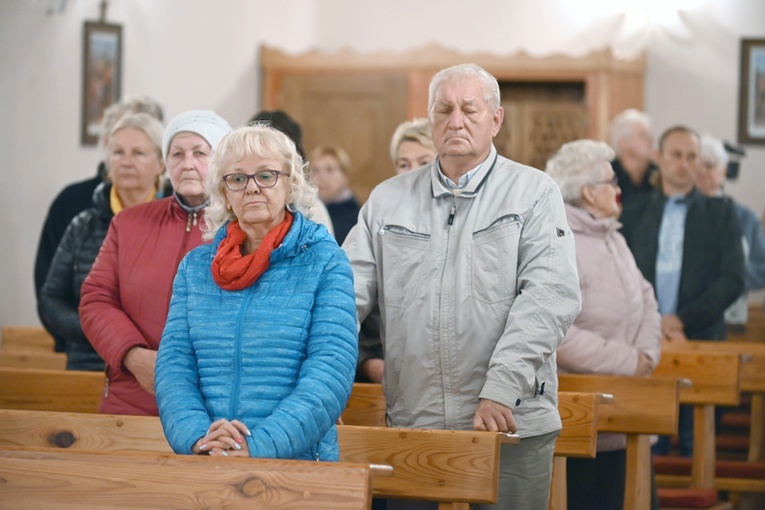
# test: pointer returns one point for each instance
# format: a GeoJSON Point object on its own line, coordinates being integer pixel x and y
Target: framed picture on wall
{"type": "Point", "coordinates": [751, 113]}
{"type": "Point", "coordinates": [101, 76]}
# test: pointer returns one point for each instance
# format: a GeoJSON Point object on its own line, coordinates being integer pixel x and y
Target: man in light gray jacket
{"type": "Point", "coordinates": [474, 268]}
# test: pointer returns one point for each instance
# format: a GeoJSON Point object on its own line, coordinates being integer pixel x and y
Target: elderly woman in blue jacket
{"type": "Point", "coordinates": [259, 351]}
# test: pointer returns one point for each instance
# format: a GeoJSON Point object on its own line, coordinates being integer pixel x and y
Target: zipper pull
{"type": "Point", "coordinates": [452, 212]}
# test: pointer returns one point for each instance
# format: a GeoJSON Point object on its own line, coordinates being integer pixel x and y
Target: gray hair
{"type": "Point", "coordinates": [263, 141]}
{"type": "Point", "coordinates": [465, 72]}
{"type": "Point", "coordinates": [622, 125]}
{"type": "Point", "coordinates": [713, 151]}
{"type": "Point", "coordinates": [140, 104]}
{"type": "Point", "coordinates": [415, 130]}
{"type": "Point", "coordinates": [572, 167]}
{"type": "Point", "coordinates": [145, 123]}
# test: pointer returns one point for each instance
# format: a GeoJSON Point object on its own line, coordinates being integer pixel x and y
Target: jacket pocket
{"type": "Point", "coordinates": [494, 260]}
{"type": "Point", "coordinates": [403, 254]}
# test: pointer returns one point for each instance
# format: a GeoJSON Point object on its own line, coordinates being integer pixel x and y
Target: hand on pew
{"type": "Point", "coordinates": [672, 328]}
{"type": "Point", "coordinates": [224, 438]}
{"type": "Point", "coordinates": [494, 417]}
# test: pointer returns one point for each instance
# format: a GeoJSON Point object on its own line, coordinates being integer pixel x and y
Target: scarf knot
{"type": "Point", "coordinates": [233, 271]}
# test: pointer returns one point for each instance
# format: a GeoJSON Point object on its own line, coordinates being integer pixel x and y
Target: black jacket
{"type": "Point", "coordinates": [72, 200]}
{"type": "Point", "coordinates": [60, 295]}
{"type": "Point", "coordinates": [712, 276]}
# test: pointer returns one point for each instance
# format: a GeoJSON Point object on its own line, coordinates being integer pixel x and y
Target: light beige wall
{"type": "Point", "coordinates": [203, 54]}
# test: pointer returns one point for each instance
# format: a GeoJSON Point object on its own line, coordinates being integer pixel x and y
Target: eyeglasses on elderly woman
{"type": "Point", "coordinates": [613, 181]}
{"type": "Point", "coordinates": [263, 179]}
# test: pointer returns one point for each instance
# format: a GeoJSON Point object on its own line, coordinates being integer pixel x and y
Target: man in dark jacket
{"type": "Point", "coordinates": [689, 247]}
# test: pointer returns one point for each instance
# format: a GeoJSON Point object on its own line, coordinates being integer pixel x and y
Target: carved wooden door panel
{"type": "Point", "coordinates": [533, 131]}
{"type": "Point", "coordinates": [358, 112]}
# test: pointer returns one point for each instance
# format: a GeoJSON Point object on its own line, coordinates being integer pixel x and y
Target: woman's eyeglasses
{"type": "Point", "coordinates": [263, 179]}
{"type": "Point", "coordinates": [613, 181]}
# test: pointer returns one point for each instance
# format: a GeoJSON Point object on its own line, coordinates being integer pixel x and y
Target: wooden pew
{"type": "Point", "coordinates": [716, 380]}
{"type": "Point", "coordinates": [451, 467]}
{"type": "Point", "coordinates": [578, 438]}
{"type": "Point", "coordinates": [44, 360]}
{"type": "Point", "coordinates": [579, 412]}
{"type": "Point", "coordinates": [366, 406]}
{"type": "Point", "coordinates": [81, 432]}
{"type": "Point", "coordinates": [737, 476]}
{"type": "Point", "coordinates": [26, 339]}
{"type": "Point", "coordinates": [456, 468]}
{"type": "Point", "coordinates": [65, 479]}
{"type": "Point", "coordinates": [752, 381]}
{"type": "Point", "coordinates": [50, 390]}
{"type": "Point", "coordinates": [642, 406]}
{"type": "Point", "coordinates": [753, 330]}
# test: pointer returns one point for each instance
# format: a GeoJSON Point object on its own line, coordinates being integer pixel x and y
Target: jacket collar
{"type": "Point", "coordinates": [297, 237]}
{"type": "Point", "coordinates": [439, 189]}
{"type": "Point", "coordinates": [582, 222]}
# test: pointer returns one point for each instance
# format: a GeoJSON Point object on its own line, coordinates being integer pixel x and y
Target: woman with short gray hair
{"type": "Point", "coordinates": [134, 176]}
{"type": "Point", "coordinates": [618, 330]}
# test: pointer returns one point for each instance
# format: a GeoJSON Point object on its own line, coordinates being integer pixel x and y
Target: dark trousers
{"type": "Point", "coordinates": [599, 483]}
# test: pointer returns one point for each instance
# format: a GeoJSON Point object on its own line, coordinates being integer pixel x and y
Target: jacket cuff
{"type": "Point", "coordinates": [493, 390]}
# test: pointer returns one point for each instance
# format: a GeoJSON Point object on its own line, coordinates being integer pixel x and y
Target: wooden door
{"type": "Point", "coordinates": [539, 118]}
{"type": "Point", "coordinates": [357, 112]}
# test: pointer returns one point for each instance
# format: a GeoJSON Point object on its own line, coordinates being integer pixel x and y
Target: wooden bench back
{"type": "Point", "coordinates": [641, 405]}
{"type": "Point", "coordinates": [366, 406]}
{"type": "Point", "coordinates": [50, 390]}
{"type": "Point", "coordinates": [716, 380]}
{"type": "Point", "coordinates": [26, 339]}
{"type": "Point", "coordinates": [715, 377]}
{"type": "Point", "coordinates": [437, 465]}
{"type": "Point", "coordinates": [53, 479]}
{"type": "Point", "coordinates": [44, 360]}
{"type": "Point", "coordinates": [752, 358]}
{"type": "Point", "coordinates": [75, 431]}
{"type": "Point", "coordinates": [444, 466]}
{"type": "Point", "coordinates": [579, 413]}
{"type": "Point", "coordinates": [752, 381]}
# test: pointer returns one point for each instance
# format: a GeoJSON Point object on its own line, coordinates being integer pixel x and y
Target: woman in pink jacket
{"type": "Point", "coordinates": [618, 331]}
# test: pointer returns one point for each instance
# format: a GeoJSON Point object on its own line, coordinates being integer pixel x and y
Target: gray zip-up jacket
{"type": "Point", "coordinates": [476, 289]}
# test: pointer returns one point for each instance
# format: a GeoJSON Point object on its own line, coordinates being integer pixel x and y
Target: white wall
{"type": "Point", "coordinates": [203, 54]}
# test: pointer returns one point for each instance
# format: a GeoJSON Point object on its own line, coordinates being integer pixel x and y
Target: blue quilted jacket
{"type": "Point", "coordinates": [279, 355]}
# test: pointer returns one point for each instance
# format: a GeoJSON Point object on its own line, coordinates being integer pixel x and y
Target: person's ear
{"type": "Point", "coordinates": [588, 195]}
{"type": "Point", "coordinates": [499, 116]}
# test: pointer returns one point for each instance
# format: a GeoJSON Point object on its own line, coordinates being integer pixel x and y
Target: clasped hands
{"type": "Point", "coordinates": [224, 438]}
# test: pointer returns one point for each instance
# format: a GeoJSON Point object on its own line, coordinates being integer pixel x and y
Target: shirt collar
{"type": "Point", "coordinates": [467, 183]}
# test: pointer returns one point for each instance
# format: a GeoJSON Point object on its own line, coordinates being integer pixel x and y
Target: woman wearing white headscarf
{"type": "Point", "coordinates": [125, 297]}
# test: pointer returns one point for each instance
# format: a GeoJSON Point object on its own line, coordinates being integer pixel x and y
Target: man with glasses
{"type": "Point", "coordinates": [689, 247]}
{"type": "Point", "coordinates": [473, 266]}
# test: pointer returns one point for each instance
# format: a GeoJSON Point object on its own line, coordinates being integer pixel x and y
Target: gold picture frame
{"type": "Point", "coordinates": [101, 76]}
{"type": "Point", "coordinates": [751, 113]}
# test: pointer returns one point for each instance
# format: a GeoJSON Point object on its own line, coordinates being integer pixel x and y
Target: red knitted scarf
{"type": "Point", "coordinates": [233, 271]}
